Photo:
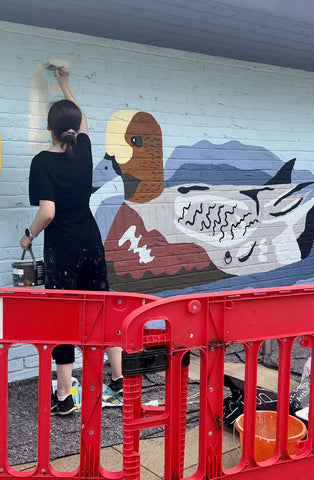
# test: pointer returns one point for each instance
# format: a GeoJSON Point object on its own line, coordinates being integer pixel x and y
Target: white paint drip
{"type": "Point", "coordinates": [144, 252]}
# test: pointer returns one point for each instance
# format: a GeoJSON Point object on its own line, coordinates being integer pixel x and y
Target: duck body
{"type": "Point", "coordinates": [243, 231]}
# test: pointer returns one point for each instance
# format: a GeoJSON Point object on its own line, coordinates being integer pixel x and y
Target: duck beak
{"type": "Point", "coordinates": [115, 164]}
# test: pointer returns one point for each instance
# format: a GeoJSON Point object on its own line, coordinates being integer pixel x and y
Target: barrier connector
{"type": "Point", "coordinates": [149, 360]}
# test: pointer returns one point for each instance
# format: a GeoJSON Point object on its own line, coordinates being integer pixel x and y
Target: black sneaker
{"type": "Point", "coordinates": [65, 407]}
{"type": "Point", "coordinates": [54, 402]}
{"type": "Point", "coordinates": [117, 385]}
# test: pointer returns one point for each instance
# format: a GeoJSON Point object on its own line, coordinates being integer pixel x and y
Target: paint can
{"type": "Point", "coordinates": [28, 273]}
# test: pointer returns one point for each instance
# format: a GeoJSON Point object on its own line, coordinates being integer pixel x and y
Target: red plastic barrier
{"type": "Point", "coordinates": [209, 323]}
{"type": "Point", "coordinates": [45, 318]}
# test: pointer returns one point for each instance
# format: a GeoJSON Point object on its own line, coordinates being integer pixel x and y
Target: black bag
{"type": "Point", "coordinates": [234, 405]}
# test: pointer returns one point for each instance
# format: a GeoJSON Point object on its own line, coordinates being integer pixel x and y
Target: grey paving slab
{"type": "Point", "coordinates": [266, 377]}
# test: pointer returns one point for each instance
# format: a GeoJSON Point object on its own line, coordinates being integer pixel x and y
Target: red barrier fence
{"type": "Point", "coordinates": [45, 318]}
{"type": "Point", "coordinates": [207, 322]}
{"type": "Point", "coordinates": [211, 322]}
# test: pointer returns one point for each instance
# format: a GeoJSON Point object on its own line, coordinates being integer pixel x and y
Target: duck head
{"type": "Point", "coordinates": [134, 145]}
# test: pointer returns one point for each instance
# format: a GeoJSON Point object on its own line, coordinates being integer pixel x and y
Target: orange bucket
{"type": "Point", "coordinates": [265, 433]}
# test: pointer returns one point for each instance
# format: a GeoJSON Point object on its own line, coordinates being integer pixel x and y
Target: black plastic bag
{"type": "Point", "coordinates": [234, 405]}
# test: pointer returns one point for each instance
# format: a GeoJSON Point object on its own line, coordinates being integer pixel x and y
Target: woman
{"type": "Point", "coordinates": [60, 184]}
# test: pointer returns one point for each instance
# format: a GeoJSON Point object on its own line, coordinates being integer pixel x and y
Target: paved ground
{"type": "Point", "coordinates": [152, 450]}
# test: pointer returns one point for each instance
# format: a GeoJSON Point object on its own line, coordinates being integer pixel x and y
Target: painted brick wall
{"type": "Point", "coordinates": [192, 97]}
{"type": "Point", "coordinates": [23, 362]}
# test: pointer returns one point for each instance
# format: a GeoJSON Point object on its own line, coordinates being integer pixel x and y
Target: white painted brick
{"type": "Point", "coordinates": [31, 361]}
{"type": "Point", "coordinates": [22, 374]}
{"type": "Point", "coordinates": [21, 350]}
{"type": "Point", "coordinates": [78, 363]}
{"type": "Point", "coordinates": [15, 365]}
{"type": "Point", "coordinates": [6, 279]}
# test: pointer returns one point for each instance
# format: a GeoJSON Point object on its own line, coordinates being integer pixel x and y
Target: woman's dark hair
{"type": "Point", "coordinates": [64, 120]}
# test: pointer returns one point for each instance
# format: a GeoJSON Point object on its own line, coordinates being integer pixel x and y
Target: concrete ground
{"type": "Point", "coordinates": [152, 450]}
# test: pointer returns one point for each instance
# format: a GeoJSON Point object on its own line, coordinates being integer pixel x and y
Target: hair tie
{"type": "Point", "coordinates": [70, 132]}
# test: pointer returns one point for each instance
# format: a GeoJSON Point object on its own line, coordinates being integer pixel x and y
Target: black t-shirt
{"type": "Point", "coordinates": [73, 233]}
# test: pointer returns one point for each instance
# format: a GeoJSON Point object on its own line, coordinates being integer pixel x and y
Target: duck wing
{"type": "Point", "coordinates": [216, 216]}
{"type": "Point", "coordinates": [244, 231]}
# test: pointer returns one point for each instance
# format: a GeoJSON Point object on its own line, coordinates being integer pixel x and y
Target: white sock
{"type": "Point", "coordinates": [115, 379]}
{"type": "Point", "coordinates": [62, 398]}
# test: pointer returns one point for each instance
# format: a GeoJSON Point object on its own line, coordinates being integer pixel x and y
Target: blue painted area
{"type": "Point", "coordinates": [233, 153]}
{"type": "Point", "coordinates": [106, 213]}
{"type": "Point", "coordinates": [231, 163]}
{"type": "Point", "coordinates": [107, 209]}
{"type": "Point", "coordinates": [103, 173]}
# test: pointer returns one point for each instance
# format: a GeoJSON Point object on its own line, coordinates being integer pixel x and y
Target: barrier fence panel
{"type": "Point", "coordinates": [210, 323]}
{"type": "Point", "coordinates": [46, 318]}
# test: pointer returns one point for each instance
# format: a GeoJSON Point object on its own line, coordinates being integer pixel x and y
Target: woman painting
{"type": "Point", "coordinates": [60, 184]}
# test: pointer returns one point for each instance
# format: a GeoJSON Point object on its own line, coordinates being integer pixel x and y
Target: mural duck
{"type": "Point", "coordinates": [191, 234]}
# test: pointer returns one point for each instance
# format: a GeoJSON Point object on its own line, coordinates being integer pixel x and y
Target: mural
{"type": "Point", "coordinates": [210, 217]}
{"type": "Point", "coordinates": [210, 220]}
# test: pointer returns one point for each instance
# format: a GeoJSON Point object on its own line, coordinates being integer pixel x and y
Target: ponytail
{"type": "Point", "coordinates": [69, 138]}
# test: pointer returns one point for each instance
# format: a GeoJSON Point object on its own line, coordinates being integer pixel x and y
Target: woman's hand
{"type": "Point", "coordinates": [62, 76]}
{"type": "Point", "coordinates": [26, 242]}
{"type": "Point", "coordinates": [43, 218]}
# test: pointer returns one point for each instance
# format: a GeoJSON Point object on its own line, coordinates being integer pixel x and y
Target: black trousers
{"type": "Point", "coordinates": [85, 275]}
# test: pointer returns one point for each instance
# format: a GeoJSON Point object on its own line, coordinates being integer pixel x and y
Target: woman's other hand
{"type": "Point", "coordinates": [26, 242]}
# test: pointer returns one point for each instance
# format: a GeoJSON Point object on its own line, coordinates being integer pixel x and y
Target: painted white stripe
{"type": "Point", "coordinates": [1, 317]}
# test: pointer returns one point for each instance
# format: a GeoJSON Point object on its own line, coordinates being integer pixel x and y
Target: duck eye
{"type": "Point", "coordinates": [137, 141]}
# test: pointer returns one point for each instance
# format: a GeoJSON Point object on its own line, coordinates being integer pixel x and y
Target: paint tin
{"type": "Point", "coordinates": [28, 273]}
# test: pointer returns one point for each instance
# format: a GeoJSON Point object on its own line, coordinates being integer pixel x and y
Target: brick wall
{"type": "Point", "coordinates": [193, 98]}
